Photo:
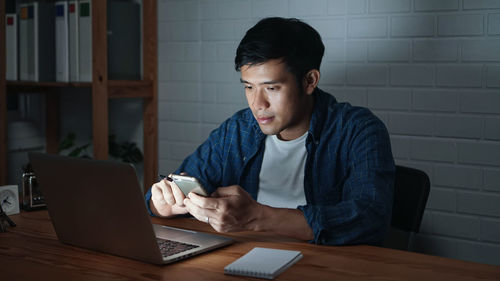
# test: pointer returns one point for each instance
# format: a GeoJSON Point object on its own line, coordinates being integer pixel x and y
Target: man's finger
{"type": "Point", "coordinates": [157, 196]}
{"type": "Point", "coordinates": [204, 202]}
{"type": "Point", "coordinates": [167, 192]}
{"type": "Point", "coordinates": [226, 191]}
{"type": "Point", "coordinates": [199, 213]}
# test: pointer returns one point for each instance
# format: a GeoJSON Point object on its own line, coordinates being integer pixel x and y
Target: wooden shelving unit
{"type": "Point", "coordinates": [102, 90]}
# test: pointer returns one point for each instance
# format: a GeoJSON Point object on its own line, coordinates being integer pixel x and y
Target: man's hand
{"type": "Point", "coordinates": [167, 199]}
{"type": "Point", "coordinates": [228, 209]}
{"type": "Point", "coordinates": [233, 209]}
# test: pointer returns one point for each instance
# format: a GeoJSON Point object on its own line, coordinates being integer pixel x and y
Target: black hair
{"type": "Point", "coordinates": [295, 42]}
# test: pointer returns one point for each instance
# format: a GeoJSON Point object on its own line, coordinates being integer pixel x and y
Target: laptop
{"type": "Point", "coordinates": [99, 205]}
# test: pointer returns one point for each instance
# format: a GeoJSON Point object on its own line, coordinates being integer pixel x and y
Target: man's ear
{"type": "Point", "coordinates": [310, 81]}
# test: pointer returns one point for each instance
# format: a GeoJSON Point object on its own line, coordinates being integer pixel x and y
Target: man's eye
{"type": "Point", "coordinates": [248, 87]}
{"type": "Point", "coordinates": [271, 88]}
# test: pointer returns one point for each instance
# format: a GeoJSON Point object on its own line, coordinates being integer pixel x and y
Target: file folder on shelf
{"type": "Point", "coordinates": [61, 37]}
{"type": "Point", "coordinates": [73, 15]}
{"type": "Point", "coordinates": [26, 59]}
{"type": "Point", "coordinates": [11, 46]}
{"type": "Point", "coordinates": [85, 41]}
{"type": "Point", "coordinates": [36, 42]}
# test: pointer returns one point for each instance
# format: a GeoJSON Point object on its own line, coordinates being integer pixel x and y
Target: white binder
{"type": "Point", "coordinates": [36, 42]}
{"type": "Point", "coordinates": [11, 46]}
{"type": "Point", "coordinates": [85, 41]}
{"type": "Point", "coordinates": [62, 48]}
{"type": "Point", "coordinates": [25, 41]}
{"type": "Point", "coordinates": [73, 9]}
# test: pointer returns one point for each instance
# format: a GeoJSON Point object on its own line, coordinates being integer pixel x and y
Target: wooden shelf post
{"type": "Point", "coordinates": [3, 99]}
{"type": "Point", "coordinates": [150, 115]}
{"type": "Point", "coordinates": [99, 80]}
{"type": "Point", "coordinates": [52, 126]}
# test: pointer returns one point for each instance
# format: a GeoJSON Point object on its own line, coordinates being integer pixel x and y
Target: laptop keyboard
{"type": "Point", "coordinates": [169, 247]}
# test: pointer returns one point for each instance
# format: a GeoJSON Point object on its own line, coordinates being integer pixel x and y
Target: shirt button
{"type": "Point", "coordinates": [244, 158]}
{"type": "Point", "coordinates": [317, 142]}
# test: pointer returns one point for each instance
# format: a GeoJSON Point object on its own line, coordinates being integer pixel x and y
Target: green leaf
{"type": "Point", "coordinates": [68, 142]}
{"type": "Point", "coordinates": [77, 151]}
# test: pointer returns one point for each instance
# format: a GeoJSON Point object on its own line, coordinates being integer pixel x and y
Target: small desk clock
{"type": "Point", "coordinates": [9, 199]}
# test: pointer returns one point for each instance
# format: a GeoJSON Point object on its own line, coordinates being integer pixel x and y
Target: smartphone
{"type": "Point", "coordinates": [188, 184]}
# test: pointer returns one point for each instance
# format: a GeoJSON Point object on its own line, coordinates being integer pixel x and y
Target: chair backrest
{"type": "Point", "coordinates": [411, 190]}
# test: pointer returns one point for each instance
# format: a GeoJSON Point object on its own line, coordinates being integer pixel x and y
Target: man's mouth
{"type": "Point", "coordinates": [265, 120]}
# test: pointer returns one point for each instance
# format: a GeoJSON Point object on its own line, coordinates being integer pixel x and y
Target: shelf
{"type": "Point", "coordinates": [24, 86]}
{"type": "Point", "coordinates": [116, 88]}
{"type": "Point", "coordinates": [129, 89]}
{"type": "Point", "coordinates": [101, 90]}
{"type": "Point", "coordinates": [47, 84]}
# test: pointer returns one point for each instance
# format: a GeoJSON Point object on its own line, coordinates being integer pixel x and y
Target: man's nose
{"type": "Point", "coordinates": [260, 100]}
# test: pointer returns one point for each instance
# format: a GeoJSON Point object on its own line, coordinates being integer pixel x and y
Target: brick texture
{"type": "Point", "coordinates": [435, 100]}
{"type": "Point", "coordinates": [492, 80]}
{"type": "Point", "coordinates": [492, 128]}
{"type": "Point", "coordinates": [389, 99]}
{"type": "Point", "coordinates": [389, 51]}
{"type": "Point", "coordinates": [481, 50]}
{"type": "Point", "coordinates": [480, 102]}
{"type": "Point", "coordinates": [481, 4]}
{"type": "Point", "coordinates": [389, 6]}
{"type": "Point", "coordinates": [372, 27]}
{"type": "Point", "coordinates": [458, 176]}
{"type": "Point", "coordinates": [459, 75]}
{"type": "Point", "coordinates": [492, 179]}
{"type": "Point", "coordinates": [456, 225]}
{"type": "Point", "coordinates": [494, 24]}
{"type": "Point", "coordinates": [412, 75]}
{"type": "Point", "coordinates": [366, 74]}
{"type": "Point", "coordinates": [478, 203]}
{"type": "Point", "coordinates": [459, 126]}
{"type": "Point", "coordinates": [460, 25]}
{"type": "Point", "coordinates": [435, 50]}
{"type": "Point", "coordinates": [432, 5]}
{"type": "Point", "coordinates": [479, 153]}
{"type": "Point", "coordinates": [413, 26]}
{"type": "Point", "coordinates": [490, 230]}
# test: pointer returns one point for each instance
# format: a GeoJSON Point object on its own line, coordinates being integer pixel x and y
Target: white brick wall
{"type": "Point", "coordinates": [430, 69]}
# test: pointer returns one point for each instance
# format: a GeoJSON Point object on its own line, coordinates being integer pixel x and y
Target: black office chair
{"type": "Point", "coordinates": [411, 190]}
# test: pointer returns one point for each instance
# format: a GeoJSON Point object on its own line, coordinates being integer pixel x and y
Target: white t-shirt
{"type": "Point", "coordinates": [281, 179]}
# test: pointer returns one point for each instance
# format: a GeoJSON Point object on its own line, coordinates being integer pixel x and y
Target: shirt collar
{"type": "Point", "coordinates": [255, 126]}
{"type": "Point", "coordinates": [322, 102]}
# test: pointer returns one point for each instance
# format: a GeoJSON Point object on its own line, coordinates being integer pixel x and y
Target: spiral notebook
{"type": "Point", "coordinates": [263, 263]}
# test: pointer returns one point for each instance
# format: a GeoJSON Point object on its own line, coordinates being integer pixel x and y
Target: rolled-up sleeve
{"type": "Point", "coordinates": [204, 163]}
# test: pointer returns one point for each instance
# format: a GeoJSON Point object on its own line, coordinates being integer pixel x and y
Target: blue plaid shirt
{"type": "Point", "coordinates": [349, 170]}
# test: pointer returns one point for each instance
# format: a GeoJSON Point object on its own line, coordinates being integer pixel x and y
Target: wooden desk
{"type": "Point", "coordinates": [31, 251]}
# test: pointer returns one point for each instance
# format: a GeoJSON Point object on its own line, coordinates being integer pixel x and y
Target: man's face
{"type": "Point", "coordinates": [277, 102]}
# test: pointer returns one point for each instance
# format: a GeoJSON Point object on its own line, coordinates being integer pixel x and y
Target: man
{"type": "Point", "coordinates": [295, 162]}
